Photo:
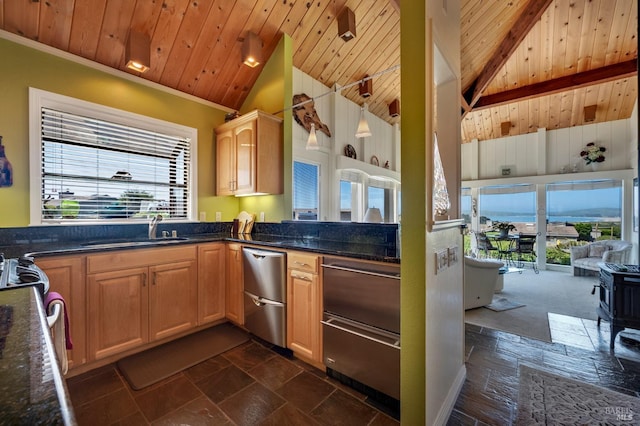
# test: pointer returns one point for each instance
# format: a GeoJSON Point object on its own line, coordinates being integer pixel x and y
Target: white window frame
{"type": "Point", "coordinates": [40, 98]}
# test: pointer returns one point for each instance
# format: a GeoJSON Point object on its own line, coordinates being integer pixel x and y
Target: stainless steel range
{"type": "Point", "coordinates": [22, 271]}
{"type": "Point", "coordinates": [361, 324]}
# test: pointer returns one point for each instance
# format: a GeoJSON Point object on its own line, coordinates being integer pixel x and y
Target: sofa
{"type": "Point", "coordinates": [585, 258]}
{"type": "Point", "coordinates": [480, 281]}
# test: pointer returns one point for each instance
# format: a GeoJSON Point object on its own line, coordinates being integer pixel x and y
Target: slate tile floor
{"type": "Point", "coordinates": [251, 384]}
{"type": "Point", "coordinates": [579, 350]}
{"type": "Point", "coordinates": [248, 385]}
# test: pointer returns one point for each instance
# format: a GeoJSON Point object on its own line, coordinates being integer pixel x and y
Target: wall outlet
{"type": "Point", "coordinates": [203, 216]}
{"type": "Point", "coordinates": [218, 216]}
{"type": "Point", "coordinates": [261, 216]}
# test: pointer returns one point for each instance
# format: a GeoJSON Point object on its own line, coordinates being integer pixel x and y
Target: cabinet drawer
{"type": "Point", "coordinates": [125, 259]}
{"type": "Point", "coordinates": [302, 262]}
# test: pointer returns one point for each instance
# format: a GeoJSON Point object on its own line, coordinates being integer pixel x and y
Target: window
{"type": "Point", "coordinates": [584, 210]}
{"type": "Point", "coordinates": [305, 191]}
{"type": "Point", "coordinates": [508, 203]}
{"type": "Point", "coordinates": [97, 164]}
{"type": "Point", "coordinates": [346, 201]}
{"type": "Point", "coordinates": [466, 205]}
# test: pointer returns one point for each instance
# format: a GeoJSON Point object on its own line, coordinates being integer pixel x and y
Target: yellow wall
{"type": "Point", "coordinates": [272, 91]}
{"type": "Point", "coordinates": [24, 67]}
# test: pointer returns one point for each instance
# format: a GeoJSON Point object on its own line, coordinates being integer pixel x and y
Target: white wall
{"type": "Point", "coordinates": [342, 116]}
{"type": "Point", "coordinates": [549, 151]}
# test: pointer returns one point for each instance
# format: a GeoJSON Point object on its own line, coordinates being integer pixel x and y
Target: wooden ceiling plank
{"type": "Point", "coordinates": [146, 16]}
{"type": "Point", "coordinates": [114, 32]}
{"type": "Point", "coordinates": [332, 52]}
{"type": "Point", "coordinates": [226, 58]}
{"type": "Point", "coordinates": [532, 14]}
{"type": "Point", "coordinates": [611, 72]}
{"type": "Point", "coordinates": [620, 23]}
{"type": "Point", "coordinates": [603, 30]}
{"type": "Point", "coordinates": [163, 38]}
{"type": "Point", "coordinates": [566, 108]}
{"type": "Point", "coordinates": [55, 23]}
{"type": "Point", "coordinates": [359, 57]}
{"type": "Point", "coordinates": [186, 40]}
{"type": "Point", "coordinates": [587, 36]}
{"type": "Point", "coordinates": [84, 38]}
{"type": "Point", "coordinates": [223, 47]}
{"type": "Point", "coordinates": [22, 18]}
{"type": "Point", "coordinates": [275, 14]}
{"type": "Point", "coordinates": [196, 67]}
{"type": "Point", "coordinates": [630, 97]}
{"type": "Point", "coordinates": [617, 99]}
{"type": "Point", "coordinates": [319, 27]}
{"type": "Point", "coordinates": [1, 13]}
{"type": "Point", "coordinates": [533, 116]}
{"type": "Point", "coordinates": [572, 41]}
{"type": "Point", "coordinates": [577, 107]}
{"type": "Point", "coordinates": [559, 36]}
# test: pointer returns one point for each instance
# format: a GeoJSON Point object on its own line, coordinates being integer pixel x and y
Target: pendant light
{"type": "Point", "coordinates": [252, 50]}
{"type": "Point", "coordinates": [138, 52]}
{"type": "Point", "coordinates": [363, 127]}
{"type": "Point", "coordinates": [312, 142]}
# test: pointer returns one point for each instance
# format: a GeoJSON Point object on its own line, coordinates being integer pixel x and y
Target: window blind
{"type": "Point", "coordinates": [98, 170]}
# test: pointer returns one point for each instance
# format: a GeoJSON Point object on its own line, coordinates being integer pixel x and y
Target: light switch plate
{"type": "Point", "coordinates": [218, 216]}
{"type": "Point", "coordinates": [453, 255]}
{"type": "Point", "coordinates": [261, 216]}
{"type": "Point", "coordinates": [442, 260]}
{"type": "Point", "coordinates": [203, 216]}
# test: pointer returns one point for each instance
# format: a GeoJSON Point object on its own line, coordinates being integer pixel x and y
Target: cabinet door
{"type": "Point", "coordinates": [118, 311]}
{"type": "Point", "coordinates": [245, 141]}
{"type": "Point", "coordinates": [225, 163]}
{"type": "Point", "coordinates": [211, 282]}
{"type": "Point", "coordinates": [173, 298]}
{"type": "Point", "coordinates": [66, 276]}
{"type": "Point", "coordinates": [235, 285]}
{"type": "Point", "coordinates": [303, 316]}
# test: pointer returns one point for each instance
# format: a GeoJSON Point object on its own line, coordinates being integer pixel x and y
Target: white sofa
{"type": "Point", "coordinates": [480, 281]}
{"type": "Point", "coordinates": [586, 257]}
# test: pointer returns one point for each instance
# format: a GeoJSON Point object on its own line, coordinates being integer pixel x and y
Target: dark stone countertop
{"type": "Point", "coordinates": [374, 252]}
{"type": "Point", "coordinates": [31, 384]}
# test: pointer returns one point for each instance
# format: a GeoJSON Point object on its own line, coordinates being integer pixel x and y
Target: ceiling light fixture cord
{"type": "Point", "coordinates": [339, 89]}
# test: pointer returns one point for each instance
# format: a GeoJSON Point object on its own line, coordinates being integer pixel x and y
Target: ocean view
{"type": "Point", "coordinates": [563, 219]}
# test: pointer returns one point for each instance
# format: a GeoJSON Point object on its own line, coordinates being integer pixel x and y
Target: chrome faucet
{"type": "Point", "coordinates": [153, 226]}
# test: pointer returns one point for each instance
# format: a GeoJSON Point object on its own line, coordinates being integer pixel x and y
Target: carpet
{"type": "Point", "coordinates": [548, 399]}
{"type": "Point", "coordinates": [548, 292]}
{"type": "Point", "coordinates": [146, 368]}
{"type": "Point", "coordinates": [500, 304]}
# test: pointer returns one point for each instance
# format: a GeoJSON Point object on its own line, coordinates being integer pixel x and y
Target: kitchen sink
{"type": "Point", "coordinates": [134, 243]}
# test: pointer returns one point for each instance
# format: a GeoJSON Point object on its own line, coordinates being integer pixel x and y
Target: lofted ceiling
{"type": "Point", "coordinates": [531, 64]}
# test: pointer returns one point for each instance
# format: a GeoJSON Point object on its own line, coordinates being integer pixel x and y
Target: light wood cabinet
{"type": "Point", "coordinates": [67, 276]}
{"type": "Point", "coordinates": [234, 284]}
{"type": "Point", "coordinates": [211, 282]}
{"type": "Point", "coordinates": [304, 306]}
{"type": "Point", "coordinates": [138, 296]}
{"type": "Point", "coordinates": [249, 155]}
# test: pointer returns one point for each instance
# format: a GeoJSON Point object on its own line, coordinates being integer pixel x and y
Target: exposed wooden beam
{"type": "Point", "coordinates": [569, 82]}
{"type": "Point", "coordinates": [532, 13]}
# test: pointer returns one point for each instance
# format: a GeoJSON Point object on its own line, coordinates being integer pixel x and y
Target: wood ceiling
{"type": "Point", "coordinates": [534, 63]}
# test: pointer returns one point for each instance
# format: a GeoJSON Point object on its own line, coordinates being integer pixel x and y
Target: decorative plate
{"type": "Point", "coordinates": [374, 160]}
{"type": "Point", "coordinates": [350, 151]}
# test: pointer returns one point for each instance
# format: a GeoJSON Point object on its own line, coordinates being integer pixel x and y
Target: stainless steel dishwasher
{"type": "Point", "coordinates": [361, 323]}
{"type": "Point", "coordinates": [265, 294]}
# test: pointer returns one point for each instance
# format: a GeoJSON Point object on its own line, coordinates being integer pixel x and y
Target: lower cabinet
{"type": "Point", "coordinates": [234, 284]}
{"type": "Point", "coordinates": [66, 276]}
{"type": "Point", "coordinates": [211, 282]}
{"type": "Point", "coordinates": [134, 306]}
{"type": "Point", "coordinates": [304, 306]}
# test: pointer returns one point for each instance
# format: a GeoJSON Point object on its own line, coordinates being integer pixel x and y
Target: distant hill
{"type": "Point", "coordinates": [600, 212]}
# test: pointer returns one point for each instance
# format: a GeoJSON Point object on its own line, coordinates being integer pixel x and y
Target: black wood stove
{"type": "Point", "coordinates": [619, 297]}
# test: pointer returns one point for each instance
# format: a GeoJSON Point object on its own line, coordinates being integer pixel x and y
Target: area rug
{"type": "Point", "coordinates": [500, 304]}
{"type": "Point", "coordinates": [151, 366]}
{"type": "Point", "coordinates": [548, 399]}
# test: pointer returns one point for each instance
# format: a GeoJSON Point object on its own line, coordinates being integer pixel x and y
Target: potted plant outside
{"type": "Point", "coordinates": [503, 227]}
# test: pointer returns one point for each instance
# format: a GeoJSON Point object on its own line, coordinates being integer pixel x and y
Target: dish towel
{"type": "Point", "coordinates": [57, 308]}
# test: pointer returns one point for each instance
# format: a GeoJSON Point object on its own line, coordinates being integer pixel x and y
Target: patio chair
{"type": "Point", "coordinates": [525, 245]}
{"type": "Point", "coordinates": [485, 244]}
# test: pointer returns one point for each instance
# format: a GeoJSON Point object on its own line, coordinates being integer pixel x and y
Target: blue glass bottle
{"type": "Point", "coordinates": [6, 171]}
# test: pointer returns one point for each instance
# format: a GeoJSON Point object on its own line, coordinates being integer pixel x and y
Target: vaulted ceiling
{"type": "Point", "coordinates": [531, 64]}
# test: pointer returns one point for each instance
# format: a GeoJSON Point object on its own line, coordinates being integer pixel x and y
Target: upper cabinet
{"type": "Point", "coordinates": [250, 155]}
